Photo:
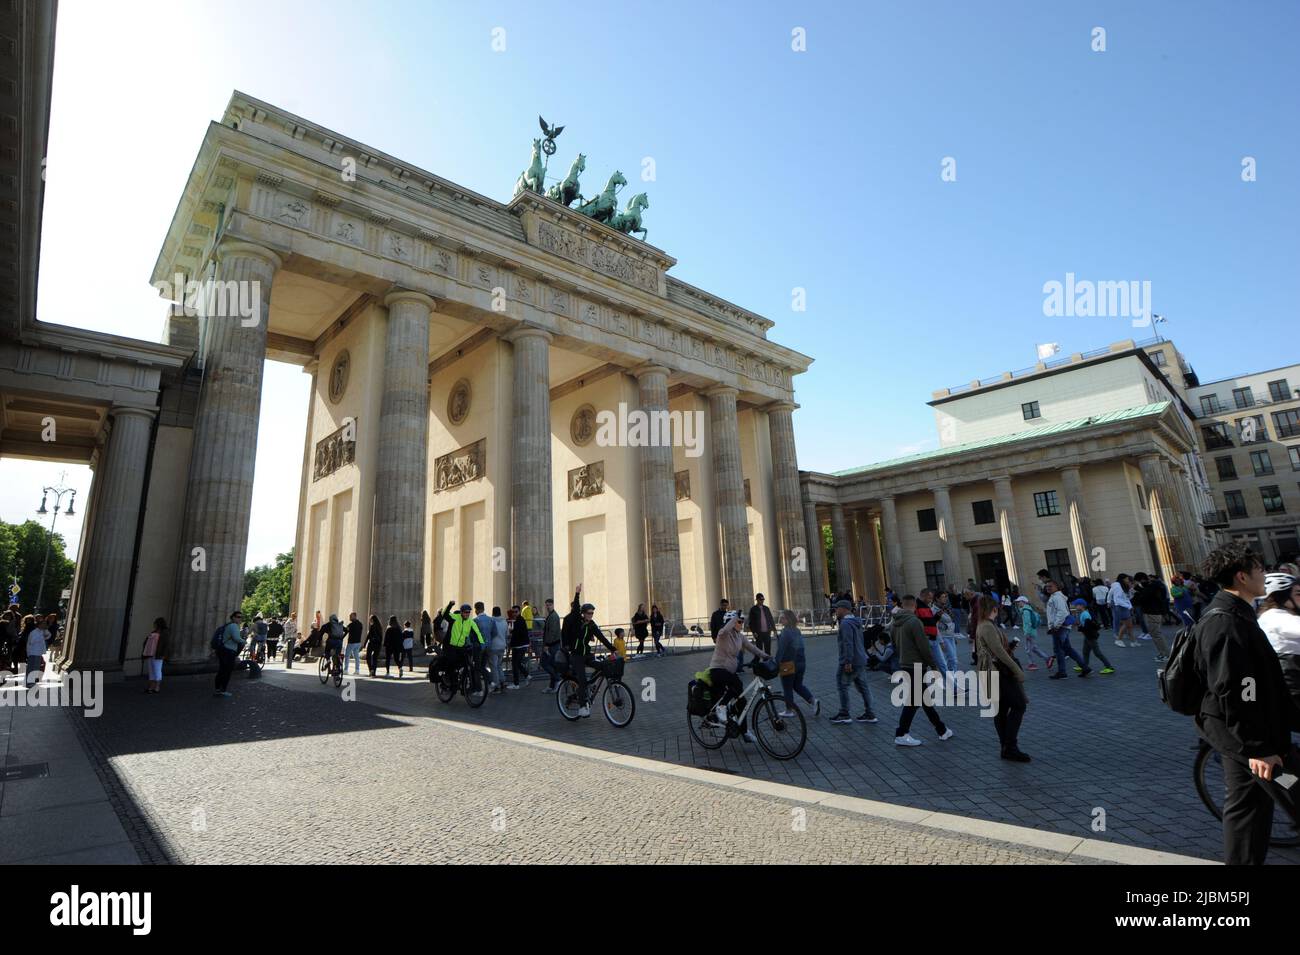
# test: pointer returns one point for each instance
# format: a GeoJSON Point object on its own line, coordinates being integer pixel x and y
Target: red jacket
{"type": "Point", "coordinates": [929, 619]}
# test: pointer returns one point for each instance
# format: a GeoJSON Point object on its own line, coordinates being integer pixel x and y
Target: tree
{"type": "Point", "coordinates": [22, 553]}
{"type": "Point", "coordinates": [828, 546]}
{"type": "Point", "coordinates": [266, 588]}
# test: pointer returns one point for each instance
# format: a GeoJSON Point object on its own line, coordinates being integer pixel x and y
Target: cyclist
{"type": "Point", "coordinates": [334, 634]}
{"type": "Point", "coordinates": [463, 636]}
{"type": "Point", "coordinates": [1279, 618]}
{"type": "Point", "coordinates": [576, 632]}
{"type": "Point", "coordinates": [724, 663]}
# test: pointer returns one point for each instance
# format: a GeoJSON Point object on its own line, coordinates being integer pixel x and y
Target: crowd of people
{"type": "Point", "coordinates": [25, 639]}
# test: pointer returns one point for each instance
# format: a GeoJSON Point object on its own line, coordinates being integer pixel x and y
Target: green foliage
{"type": "Point", "coordinates": [22, 552]}
{"type": "Point", "coordinates": [266, 588]}
{"type": "Point", "coordinates": [828, 545]}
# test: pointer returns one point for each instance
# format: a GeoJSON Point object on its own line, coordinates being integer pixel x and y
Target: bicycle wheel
{"type": "Point", "coordinates": [567, 699]}
{"type": "Point", "coordinates": [782, 737]}
{"type": "Point", "coordinates": [446, 686]}
{"type": "Point", "coordinates": [618, 703]}
{"type": "Point", "coordinates": [337, 672]}
{"type": "Point", "coordinates": [708, 734]}
{"type": "Point", "coordinates": [1210, 786]}
{"type": "Point", "coordinates": [323, 670]}
{"type": "Point", "coordinates": [473, 697]}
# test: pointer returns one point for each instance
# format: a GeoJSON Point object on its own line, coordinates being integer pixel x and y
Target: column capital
{"type": "Point", "coordinates": [148, 414]}
{"type": "Point", "coordinates": [410, 295]}
{"type": "Point", "coordinates": [528, 331]}
{"type": "Point", "coordinates": [718, 391]}
{"type": "Point", "coordinates": [944, 488]}
{"type": "Point", "coordinates": [640, 371]}
{"type": "Point", "coordinates": [231, 248]}
{"type": "Point", "coordinates": [782, 405]}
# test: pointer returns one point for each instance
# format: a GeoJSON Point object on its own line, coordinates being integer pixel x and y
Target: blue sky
{"type": "Point", "coordinates": [775, 169]}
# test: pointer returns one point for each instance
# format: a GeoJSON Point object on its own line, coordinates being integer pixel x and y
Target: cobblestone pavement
{"type": "Point", "coordinates": [288, 772]}
{"type": "Point", "coordinates": [1105, 743]}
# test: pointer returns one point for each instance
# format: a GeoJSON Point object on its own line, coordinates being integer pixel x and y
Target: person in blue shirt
{"type": "Point", "coordinates": [1091, 636]}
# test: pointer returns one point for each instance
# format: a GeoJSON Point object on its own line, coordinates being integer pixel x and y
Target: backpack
{"type": "Point", "coordinates": [218, 638]}
{"type": "Point", "coordinates": [1035, 620]}
{"type": "Point", "coordinates": [1180, 681]}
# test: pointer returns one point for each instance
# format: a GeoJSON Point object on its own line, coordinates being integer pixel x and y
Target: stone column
{"type": "Point", "coordinates": [659, 502]}
{"type": "Point", "coordinates": [729, 496]}
{"type": "Point", "coordinates": [97, 642]}
{"type": "Point", "coordinates": [402, 460]}
{"type": "Point", "coordinates": [893, 545]}
{"type": "Point", "coordinates": [840, 544]}
{"type": "Point", "coordinates": [300, 543]}
{"type": "Point", "coordinates": [1188, 520]}
{"type": "Point", "coordinates": [865, 534]}
{"type": "Point", "coordinates": [532, 533]}
{"type": "Point", "coordinates": [1164, 514]}
{"type": "Point", "coordinates": [1013, 549]}
{"type": "Point", "coordinates": [219, 492]}
{"type": "Point", "coordinates": [796, 556]}
{"type": "Point", "coordinates": [947, 536]}
{"type": "Point", "coordinates": [1077, 515]}
{"type": "Point", "coordinates": [816, 554]}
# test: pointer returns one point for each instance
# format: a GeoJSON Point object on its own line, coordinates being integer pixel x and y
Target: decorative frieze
{"type": "Point", "coordinates": [607, 261]}
{"type": "Point", "coordinates": [587, 481]}
{"type": "Point", "coordinates": [461, 466]}
{"type": "Point", "coordinates": [334, 451]}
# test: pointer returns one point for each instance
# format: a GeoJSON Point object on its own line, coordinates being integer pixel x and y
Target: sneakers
{"type": "Point", "coordinates": [1058, 676]}
{"type": "Point", "coordinates": [1106, 671]}
{"type": "Point", "coordinates": [947, 733]}
{"type": "Point", "coordinates": [514, 686]}
{"type": "Point", "coordinates": [817, 707]}
{"type": "Point", "coordinates": [785, 715]}
{"type": "Point", "coordinates": [1077, 668]}
{"type": "Point", "coordinates": [1145, 636]}
{"type": "Point", "coordinates": [907, 739]}
{"type": "Point", "coordinates": [549, 689]}
{"type": "Point", "coordinates": [1051, 661]}
{"type": "Point", "coordinates": [1086, 671]}
{"type": "Point", "coordinates": [749, 737]}
{"type": "Point", "coordinates": [1015, 756]}
{"type": "Point", "coordinates": [1120, 643]}
{"type": "Point", "coordinates": [866, 718]}
{"type": "Point", "coordinates": [584, 711]}
{"type": "Point", "coordinates": [1033, 666]}
{"type": "Point", "coordinates": [841, 717]}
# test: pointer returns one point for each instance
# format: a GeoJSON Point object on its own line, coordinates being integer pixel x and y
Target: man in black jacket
{"type": "Point", "coordinates": [1247, 714]}
{"type": "Point", "coordinates": [576, 633]}
{"type": "Point", "coordinates": [760, 624]}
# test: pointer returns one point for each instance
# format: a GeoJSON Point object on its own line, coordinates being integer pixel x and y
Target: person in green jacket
{"type": "Point", "coordinates": [914, 656]}
{"type": "Point", "coordinates": [462, 638]}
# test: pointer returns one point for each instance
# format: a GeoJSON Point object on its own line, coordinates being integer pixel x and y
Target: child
{"type": "Point", "coordinates": [620, 645]}
{"type": "Point", "coordinates": [1091, 636]}
{"type": "Point", "coordinates": [1029, 623]}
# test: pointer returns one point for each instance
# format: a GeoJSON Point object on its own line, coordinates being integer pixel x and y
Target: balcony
{"type": "Point", "coordinates": [1211, 520]}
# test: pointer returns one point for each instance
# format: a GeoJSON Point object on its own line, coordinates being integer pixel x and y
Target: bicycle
{"type": "Point", "coordinates": [331, 667]}
{"type": "Point", "coordinates": [616, 699]}
{"type": "Point", "coordinates": [1208, 773]}
{"type": "Point", "coordinates": [781, 737]}
{"type": "Point", "coordinates": [461, 677]}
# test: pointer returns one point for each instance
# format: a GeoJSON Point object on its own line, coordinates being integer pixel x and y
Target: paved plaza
{"type": "Point", "coordinates": [288, 770]}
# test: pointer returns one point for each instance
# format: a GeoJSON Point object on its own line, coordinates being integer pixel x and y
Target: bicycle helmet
{"type": "Point", "coordinates": [1276, 582]}
{"type": "Point", "coordinates": [586, 607]}
{"type": "Point", "coordinates": [730, 615]}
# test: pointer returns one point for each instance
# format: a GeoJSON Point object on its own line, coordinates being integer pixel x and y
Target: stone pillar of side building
{"type": "Point", "coordinates": [729, 495]}
{"type": "Point", "coordinates": [532, 533]}
{"type": "Point", "coordinates": [951, 547]}
{"type": "Point", "coordinates": [796, 547]}
{"type": "Point", "coordinates": [659, 501]}
{"type": "Point", "coordinates": [219, 491]}
{"type": "Point", "coordinates": [296, 576]}
{"type": "Point", "coordinates": [892, 544]}
{"type": "Point", "coordinates": [816, 554]}
{"type": "Point", "coordinates": [856, 564]}
{"type": "Point", "coordinates": [864, 532]}
{"type": "Point", "coordinates": [1164, 516]}
{"type": "Point", "coordinates": [96, 643]}
{"type": "Point", "coordinates": [1013, 548]}
{"type": "Point", "coordinates": [840, 550]}
{"type": "Point", "coordinates": [1193, 546]}
{"type": "Point", "coordinates": [1077, 516]}
{"type": "Point", "coordinates": [402, 460]}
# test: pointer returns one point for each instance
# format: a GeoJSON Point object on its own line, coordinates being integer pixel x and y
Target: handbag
{"type": "Point", "coordinates": [786, 669]}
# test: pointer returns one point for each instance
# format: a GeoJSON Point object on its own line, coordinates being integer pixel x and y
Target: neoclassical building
{"type": "Point", "coordinates": [1085, 464]}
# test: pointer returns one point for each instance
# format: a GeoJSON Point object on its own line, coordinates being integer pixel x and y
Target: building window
{"type": "Point", "coordinates": [1227, 469]}
{"type": "Point", "coordinates": [1030, 410]}
{"type": "Point", "coordinates": [1159, 358]}
{"type": "Point", "coordinates": [1045, 503]}
{"type": "Point", "coordinates": [1216, 435]}
{"type": "Point", "coordinates": [1251, 430]}
{"type": "Point", "coordinates": [1210, 404]}
{"type": "Point", "coordinates": [1058, 564]}
{"type": "Point", "coordinates": [1294, 453]}
{"type": "Point", "coordinates": [1287, 423]}
{"type": "Point", "coordinates": [1142, 496]}
{"type": "Point", "coordinates": [1279, 390]}
{"type": "Point", "coordinates": [934, 575]}
{"type": "Point", "coordinates": [1235, 502]}
{"type": "Point", "coordinates": [925, 520]}
{"type": "Point", "coordinates": [1271, 495]}
{"type": "Point", "coordinates": [1262, 463]}
{"type": "Point", "coordinates": [983, 512]}
{"type": "Point", "coordinates": [1243, 398]}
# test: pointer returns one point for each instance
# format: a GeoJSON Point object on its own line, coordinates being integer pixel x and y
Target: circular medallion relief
{"type": "Point", "coordinates": [583, 426]}
{"type": "Point", "coordinates": [458, 402]}
{"type": "Point", "coordinates": [339, 376]}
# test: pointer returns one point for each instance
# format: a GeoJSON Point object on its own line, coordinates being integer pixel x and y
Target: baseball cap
{"type": "Point", "coordinates": [466, 608]}
{"type": "Point", "coordinates": [1022, 599]}
{"type": "Point", "coordinates": [843, 605]}
{"type": "Point", "coordinates": [1078, 602]}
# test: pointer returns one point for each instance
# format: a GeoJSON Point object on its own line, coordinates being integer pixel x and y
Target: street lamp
{"type": "Point", "coordinates": [58, 491]}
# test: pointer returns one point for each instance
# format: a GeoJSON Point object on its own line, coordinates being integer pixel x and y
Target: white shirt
{"type": "Point", "coordinates": [36, 642]}
{"type": "Point", "coordinates": [1099, 593]}
{"type": "Point", "coordinates": [1282, 629]}
{"type": "Point", "coordinates": [1118, 598]}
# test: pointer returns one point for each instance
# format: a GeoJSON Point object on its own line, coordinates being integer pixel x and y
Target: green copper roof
{"type": "Point", "coordinates": [1124, 414]}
